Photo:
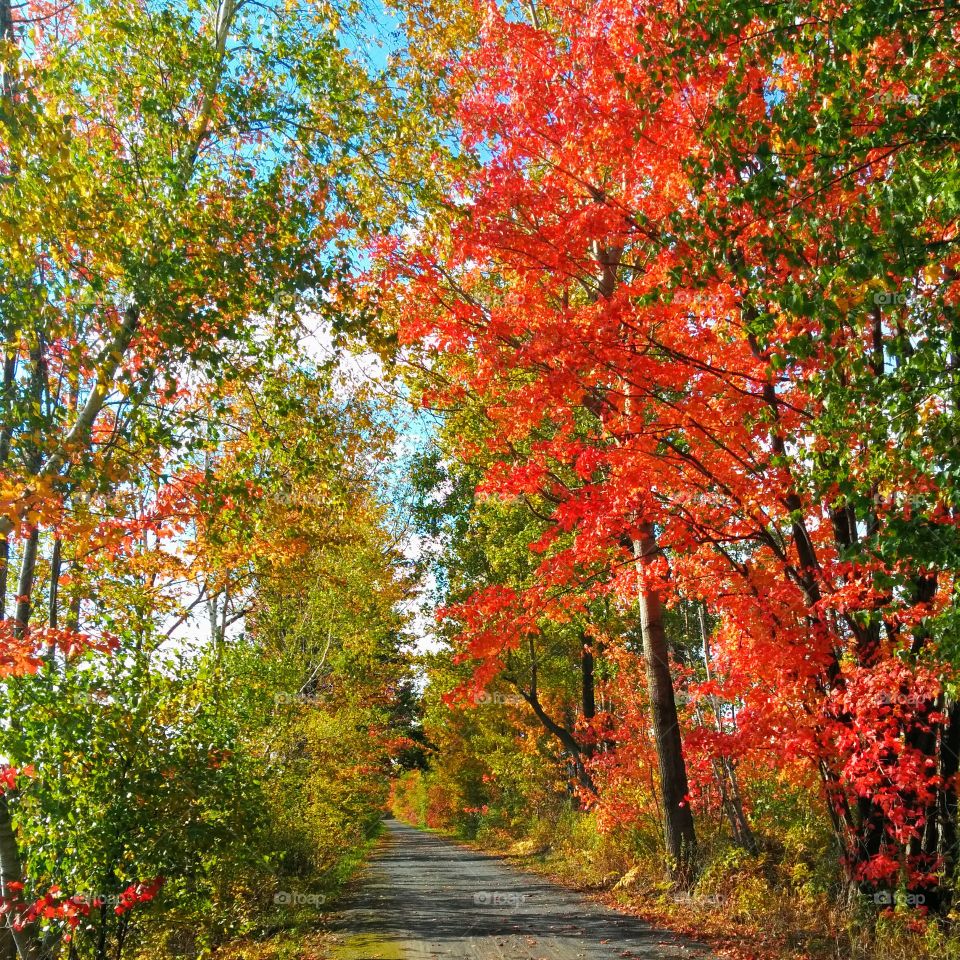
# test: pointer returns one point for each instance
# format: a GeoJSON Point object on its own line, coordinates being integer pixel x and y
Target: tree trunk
{"type": "Point", "coordinates": [588, 681]}
{"type": "Point", "coordinates": [679, 831]}
{"type": "Point", "coordinates": [73, 612]}
{"type": "Point", "coordinates": [9, 355]}
{"type": "Point", "coordinates": [54, 583]}
{"type": "Point", "coordinates": [6, 401]}
{"type": "Point", "coordinates": [725, 771]}
{"type": "Point", "coordinates": [28, 566]}
{"type": "Point", "coordinates": [588, 687]}
{"type": "Point", "coordinates": [12, 942]}
{"type": "Point", "coordinates": [562, 734]}
{"type": "Point", "coordinates": [53, 607]}
{"type": "Point", "coordinates": [4, 568]}
{"type": "Point", "coordinates": [11, 871]}
{"type": "Point", "coordinates": [566, 738]}
{"type": "Point", "coordinates": [6, 33]}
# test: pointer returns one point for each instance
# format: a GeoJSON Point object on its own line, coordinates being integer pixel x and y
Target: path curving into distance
{"type": "Point", "coordinates": [422, 897]}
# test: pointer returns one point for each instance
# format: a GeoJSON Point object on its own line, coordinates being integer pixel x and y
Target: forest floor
{"type": "Point", "coordinates": [421, 896]}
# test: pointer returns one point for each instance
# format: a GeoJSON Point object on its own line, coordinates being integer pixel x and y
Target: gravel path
{"type": "Point", "coordinates": [423, 897]}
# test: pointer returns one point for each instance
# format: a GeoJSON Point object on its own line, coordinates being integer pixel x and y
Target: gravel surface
{"type": "Point", "coordinates": [421, 897]}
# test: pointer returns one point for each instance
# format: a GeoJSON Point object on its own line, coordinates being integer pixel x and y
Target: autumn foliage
{"type": "Point", "coordinates": [678, 284]}
{"type": "Point", "coordinates": [700, 285]}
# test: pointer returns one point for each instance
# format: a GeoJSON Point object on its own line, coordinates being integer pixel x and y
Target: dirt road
{"type": "Point", "coordinates": [423, 897]}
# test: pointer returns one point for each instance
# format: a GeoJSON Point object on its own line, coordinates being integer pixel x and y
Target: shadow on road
{"type": "Point", "coordinates": [421, 896]}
